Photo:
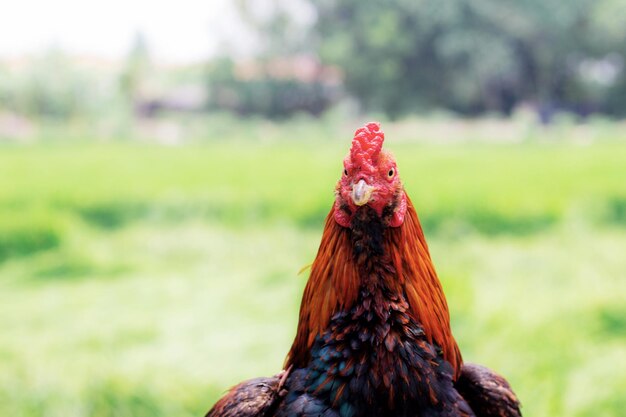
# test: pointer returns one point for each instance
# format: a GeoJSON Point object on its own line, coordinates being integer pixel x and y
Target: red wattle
{"type": "Point", "coordinates": [341, 217]}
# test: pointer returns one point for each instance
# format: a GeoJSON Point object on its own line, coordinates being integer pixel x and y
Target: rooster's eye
{"type": "Point", "coordinates": [391, 172]}
{"type": "Point", "coordinates": [345, 172]}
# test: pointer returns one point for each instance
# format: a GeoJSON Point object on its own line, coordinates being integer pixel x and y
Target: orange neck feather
{"type": "Point", "coordinates": [334, 285]}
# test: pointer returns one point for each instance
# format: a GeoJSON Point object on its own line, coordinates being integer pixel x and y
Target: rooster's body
{"type": "Point", "coordinates": [374, 335]}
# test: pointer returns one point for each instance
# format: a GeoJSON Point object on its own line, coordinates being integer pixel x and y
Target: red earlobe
{"type": "Point", "coordinates": [341, 217]}
{"type": "Point", "coordinates": [398, 215]}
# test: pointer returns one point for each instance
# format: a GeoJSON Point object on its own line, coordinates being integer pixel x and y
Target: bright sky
{"type": "Point", "coordinates": [178, 31]}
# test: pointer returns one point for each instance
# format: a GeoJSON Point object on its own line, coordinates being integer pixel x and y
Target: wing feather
{"type": "Point", "coordinates": [257, 397]}
{"type": "Point", "coordinates": [487, 393]}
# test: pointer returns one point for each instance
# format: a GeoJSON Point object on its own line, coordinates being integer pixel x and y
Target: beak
{"type": "Point", "coordinates": [361, 193]}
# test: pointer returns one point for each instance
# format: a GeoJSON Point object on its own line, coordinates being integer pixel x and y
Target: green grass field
{"type": "Point", "coordinates": [143, 280]}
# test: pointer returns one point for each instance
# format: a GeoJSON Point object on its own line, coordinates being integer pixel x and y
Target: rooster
{"type": "Point", "coordinates": [374, 336]}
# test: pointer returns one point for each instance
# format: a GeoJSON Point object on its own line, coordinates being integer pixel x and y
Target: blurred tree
{"type": "Point", "coordinates": [136, 68]}
{"type": "Point", "coordinates": [282, 26]}
{"type": "Point", "coordinates": [51, 86]}
{"type": "Point", "coordinates": [470, 56]}
{"type": "Point", "coordinates": [609, 23]}
{"type": "Point", "coordinates": [269, 88]}
{"type": "Point", "coordinates": [6, 98]}
{"type": "Point", "coordinates": [285, 77]}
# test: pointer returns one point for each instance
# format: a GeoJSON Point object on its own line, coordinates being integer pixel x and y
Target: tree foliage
{"type": "Point", "coordinates": [473, 56]}
{"type": "Point", "coordinates": [264, 93]}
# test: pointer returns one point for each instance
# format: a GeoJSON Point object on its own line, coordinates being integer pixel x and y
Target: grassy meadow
{"type": "Point", "coordinates": [139, 279]}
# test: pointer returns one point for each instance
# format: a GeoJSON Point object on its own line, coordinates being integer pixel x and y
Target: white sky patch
{"type": "Point", "coordinates": [180, 31]}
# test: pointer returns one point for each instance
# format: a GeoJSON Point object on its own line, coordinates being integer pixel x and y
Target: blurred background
{"type": "Point", "coordinates": [166, 167]}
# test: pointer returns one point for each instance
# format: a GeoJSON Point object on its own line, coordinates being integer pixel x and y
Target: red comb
{"type": "Point", "coordinates": [367, 144]}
